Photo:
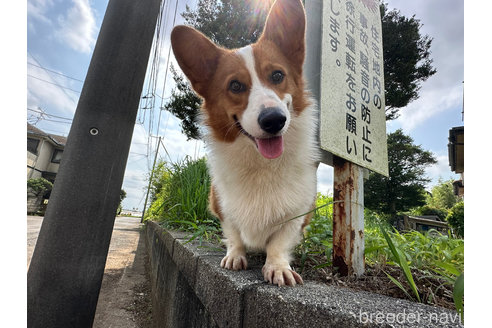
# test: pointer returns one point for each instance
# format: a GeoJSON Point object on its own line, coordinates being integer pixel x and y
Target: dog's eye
{"type": "Point", "coordinates": [277, 77]}
{"type": "Point", "coordinates": [236, 86]}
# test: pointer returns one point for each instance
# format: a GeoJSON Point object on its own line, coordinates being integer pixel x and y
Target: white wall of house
{"type": "Point", "coordinates": [42, 160]}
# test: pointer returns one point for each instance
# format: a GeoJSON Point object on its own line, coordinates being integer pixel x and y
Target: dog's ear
{"type": "Point", "coordinates": [286, 26]}
{"type": "Point", "coordinates": [196, 55]}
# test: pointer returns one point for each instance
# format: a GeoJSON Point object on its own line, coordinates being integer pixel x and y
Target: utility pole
{"type": "Point", "coordinates": [150, 180]}
{"type": "Point", "coordinates": [67, 267]}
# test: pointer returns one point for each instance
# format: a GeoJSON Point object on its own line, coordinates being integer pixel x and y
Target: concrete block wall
{"type": "Point", "coordinates": [190, 289]}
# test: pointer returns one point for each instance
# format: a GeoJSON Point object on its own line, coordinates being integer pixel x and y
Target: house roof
{"type": "Point", "coordinates": [56, 139]}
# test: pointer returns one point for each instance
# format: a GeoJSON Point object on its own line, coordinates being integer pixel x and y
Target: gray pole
{"type": "Point", "coordinates": [67, 265]}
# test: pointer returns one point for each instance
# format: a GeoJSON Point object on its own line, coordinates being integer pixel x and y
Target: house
{"type": "Point", "coordinates": [456, 152]}
{"type": "Point", "coordinates": [44, 152]}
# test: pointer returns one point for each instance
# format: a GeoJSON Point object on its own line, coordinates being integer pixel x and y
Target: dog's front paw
{"type": "Point", "coordinates": [234, 262]}
{"type": "Point", "coordinates": [281, 275]}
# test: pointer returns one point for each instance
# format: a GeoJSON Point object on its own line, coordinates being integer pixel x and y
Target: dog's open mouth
{"type": "Point", "coordinates": [269, 148]}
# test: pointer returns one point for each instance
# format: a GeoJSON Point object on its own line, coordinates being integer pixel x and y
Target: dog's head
{"type": "Point", "coordinates": [251, 92]}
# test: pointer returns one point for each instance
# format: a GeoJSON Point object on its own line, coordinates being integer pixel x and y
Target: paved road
{"type": "Point", "coordinates": [33, 226]}
{"type": "Point", "coordinates": [123, 274]}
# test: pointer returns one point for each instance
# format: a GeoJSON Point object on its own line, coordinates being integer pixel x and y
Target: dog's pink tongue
{"type": "Point", "coordinates": [271, 147]}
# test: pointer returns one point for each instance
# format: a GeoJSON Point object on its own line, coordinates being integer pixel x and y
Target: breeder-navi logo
{"type": "Point", "coordinates": [403, 318]}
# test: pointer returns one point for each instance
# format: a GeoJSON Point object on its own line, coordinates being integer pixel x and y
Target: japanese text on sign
{"type": "Point", "coordinates": [353, 121]}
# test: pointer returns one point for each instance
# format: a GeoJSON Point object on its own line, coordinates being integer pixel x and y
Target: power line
{"type": "Point", "coordinates": [37, 78]}
{"type": "Point", "coordinates": [52, 71]}
{"type": "Point", "coordinates": [47, 114]}
{"type": "Point", "coordinates": [54, 121]}
{"type": "Point", "coordinates": [165, 76]}
{"type": "Point", "coordinates": [61, 87]}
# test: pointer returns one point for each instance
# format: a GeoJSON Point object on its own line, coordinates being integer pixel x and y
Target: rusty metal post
{"type": "Point", "coordinates": [348, 217]}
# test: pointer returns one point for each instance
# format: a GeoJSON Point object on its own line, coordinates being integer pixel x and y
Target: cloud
{"type": "Point", "coordinates": [37, 9]}
{"type": "Point", "coordinates": [177, 146]}
{"type": "Point", "coordinates": [440, 170]}
{"type": "Point", "coordinates": [78, 27]}
{"type": "Point", "coordinates": [42, 90]}
{"type": "Point", "coordinates": [433, 101]}
{"type": "Point", "coordinates": [135, 185]}
{"type": "Point", "coordinates": [325, 179]}
{"type": "Point", "coordinates": [175, 149]}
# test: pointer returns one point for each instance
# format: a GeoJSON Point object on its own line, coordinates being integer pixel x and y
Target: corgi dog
{"type": "Point", "coordinates": [261, 137]}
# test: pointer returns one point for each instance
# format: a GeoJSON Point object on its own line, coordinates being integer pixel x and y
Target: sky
{"type": "Point", "coordinates": [61, 36]}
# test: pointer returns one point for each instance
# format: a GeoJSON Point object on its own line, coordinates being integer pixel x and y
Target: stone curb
{"type": "Point", "coordinates": [243, 299]}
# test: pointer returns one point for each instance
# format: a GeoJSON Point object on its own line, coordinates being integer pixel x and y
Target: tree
{"type": "Point", "coordinates": [407, 60]}
{"type": "Point", "coordinates": [39, 186]}
{"type": "Point", "coordinates": [442, 195]}
{"type": "Point", "coordinates": [236, 23]}
{"type": "Point", "coordinates": [405, 186]}
{"type": "Point", "coordinates": [185, 105]}
{"type": "Point", "coordinates": [229, 23]}
{"type": "Point", "coordinates": [456, 219]}
{"type": "Point", "coordinates": [122, 196]}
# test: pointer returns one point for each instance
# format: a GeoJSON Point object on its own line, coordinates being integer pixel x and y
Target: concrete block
{"type": "Point", "coordinates": [185, 255]}
{"type": "Point", "coordinates": [315, 305]}
{"type": "Point", "coordinates": [222, 291]}
{"type": "Point", "coordinates": [190, 289]}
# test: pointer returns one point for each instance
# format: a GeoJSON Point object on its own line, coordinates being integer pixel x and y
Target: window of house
{"type": "Point", "coordinates": [32, 145]}
{"type": "Point", "coordinates": [57, 155]}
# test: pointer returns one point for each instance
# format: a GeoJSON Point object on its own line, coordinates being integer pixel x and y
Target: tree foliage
{"type": "Point", "coordinates": [407, 60]}
{"type": "Point", "coordinates": [122, 197]}
{"type": "Point", "coordinates": [39, 186]}
{"type": "Point", "coordinates": [442, 195]}
{"type": "Point", "coordinates": [405, 186]}
{"type": "Point", "coordinates": [185, 104]}
{"type": "Point", "coordinates": [229, 23]}
{"type": "Point", "coordinates": [456, 218]}
{"type": "Point", "coordinates": [430, 210]}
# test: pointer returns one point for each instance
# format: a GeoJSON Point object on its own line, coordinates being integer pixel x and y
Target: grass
{"type": "Point", "coordinates": [430, 254]}
{"type": "Point", "coordinates": [181, 202]}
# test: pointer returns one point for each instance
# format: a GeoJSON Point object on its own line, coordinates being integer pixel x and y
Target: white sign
{"type": "Point", "coordinates": [352, 106]}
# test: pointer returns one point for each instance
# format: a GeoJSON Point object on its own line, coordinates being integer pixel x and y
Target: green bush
{"type": "Point", "coordinates": [430, 210]}
{"type": "Point", "coordinates": [39, 186]}
{"type": "Point", "coordinates": [181, 201]}
{"type": "Point", "coordinates": [422, 250]}
{"type": "Point", "coordinates": [456, 218]}
{"type": "Point", "coordinates": [122, 197]}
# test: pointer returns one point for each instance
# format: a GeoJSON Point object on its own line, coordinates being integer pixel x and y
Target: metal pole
{"type": "Point", "coordinates": [150, 180]}
{"type": "Point", "coordinates": [67, 265]}
{"type": "Point", "coordinates": [348, 207]}
{"type": "Point", "coordinates": [348, 217]}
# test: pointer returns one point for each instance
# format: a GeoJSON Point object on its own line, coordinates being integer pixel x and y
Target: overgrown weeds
{"type": "Point", "coordinates": [181, 200]}
{"type": "Point", "coordinates": [436, 260]}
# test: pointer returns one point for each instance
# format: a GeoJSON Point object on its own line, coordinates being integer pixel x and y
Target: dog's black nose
{"type": "Point", "coordinates": [271, 120]}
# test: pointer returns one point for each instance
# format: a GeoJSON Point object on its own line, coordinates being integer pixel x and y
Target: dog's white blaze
{"type": "Point", "coordinates": [260, 96]}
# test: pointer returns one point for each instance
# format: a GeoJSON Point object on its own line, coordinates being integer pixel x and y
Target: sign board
{"type": "Point", "coordinates": [351, 91]}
